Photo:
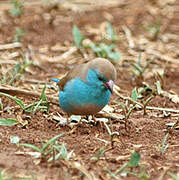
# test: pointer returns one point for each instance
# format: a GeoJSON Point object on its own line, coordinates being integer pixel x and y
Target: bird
{"type": "Point", "coordinates": [87, 88]}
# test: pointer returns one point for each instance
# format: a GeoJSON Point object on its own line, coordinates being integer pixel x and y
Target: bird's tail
{"type": "Point", "coordinates": [55, 80]}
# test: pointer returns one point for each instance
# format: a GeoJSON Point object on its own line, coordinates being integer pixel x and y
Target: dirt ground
{"type": "Point", "coordinates": [48, 36]}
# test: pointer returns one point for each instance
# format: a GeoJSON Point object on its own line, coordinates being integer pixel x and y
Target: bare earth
{"type": "Point", "coordinates": [48, 35]}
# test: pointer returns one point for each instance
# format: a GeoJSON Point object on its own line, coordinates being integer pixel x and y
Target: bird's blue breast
{"type": "Point", "coordinates": [78, 94]}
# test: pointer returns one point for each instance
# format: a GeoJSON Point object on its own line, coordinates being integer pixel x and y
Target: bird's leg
{"type": "Point", "coordinates": [75, 127]}
{"type": "Point", "coordinates": [96, 122]}
{"type": "Point", "coordinates": [94, 118]}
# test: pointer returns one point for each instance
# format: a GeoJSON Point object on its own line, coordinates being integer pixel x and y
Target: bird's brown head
{"type": "Point", "coordinates": [106, 71]}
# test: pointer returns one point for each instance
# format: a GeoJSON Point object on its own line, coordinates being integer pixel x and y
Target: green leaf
{"type": "Point", "coordinates": [16, 7]}
{"type": "Point", "coordinates": [121, 168]}
{"type": "Point", "coordinates": [8, 122]}
{"type": "Point", "coordinates": [1, 104]}
{"type": "Point", "coordinates": [52, 140]}
{"type": "Point", "coordinates": [100, 152]}
{"type": "Point", "coordinates": [134, 94]}
{"type": "Point", "coordinates": [35, 148]}
{"type": "Point", "coordinates": [43, 95]}
{"type": "Point", "coordinates": [63, 151]}
{"type": "Point", "coordinates": [164, 145]}
{"type": "Point", "coordinates": [138, 67]}
{"type": "Point", "coordinates": [110, 32]}
{"type": "Point", "coordinates": [78, 37]}
{"type": "Point", "coordinates": [114, 56]}
{"type": "Point", "coordinates": [134, 160]}
{"type": "Point", "coordinates": [174, 176]}
{"type": "Point", "coordinates": [36, 107]}
{"type": "Point", "coordinates": [16, 100]}
{"type": "Point", "coordinates": [159, 89]}
{"type": "Point", "coordinates": [94, 158]}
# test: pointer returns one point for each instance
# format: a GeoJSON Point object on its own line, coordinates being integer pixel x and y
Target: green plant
{"type": "Point", "coordinates": [4, 175]}
{"type": "Point", "coordinates": [42, 104]}
{"type": "Point", "coordinates": [51, 2]}
{"type": "Point", "coordinates": [139, 70]}
{"type": "Point", "coordinates": [16, 7]}
{"type": "Point", "coordinates": [174, 176]}
{"type": "Point", "coordinates": [162, 148]}
{"type": "Point", "coordinates": [16, 100]}
{"type": "Point", "coordinates": [8, 121]}
{"type": "Point", "coordinates": [146, 94]}
{"type": "Point", "coordinates": [153, 29]}
{"type": "Point", "coordinates": [102, 49]}
{"type": "Point", "coordinates": [16, 73]}
{"type": "Point", "coordinates": [110, 32]}
{"type": "Point", "coordinates": [138, 94]}
{"type": "Point", "coordinates": [164, 144]}
{"type": "Point", "coordinates": [127, 109]}
{"type": "Point", "coordinates": [19, 34]}
{"type": "Point", "coordinates": [134, 160]}
{"type": "Point", "coordinates": [78, 37]}
{"type": "Point", "coordinates": [105, 51]}
{"type": "Point", "coordinates": [1, 105]}
{"type": "Point", "coordinates": [99, 154]}
{"type": "Point", "coordinates": [129, 167]}
{"type": "Point", "coordinates": [51, 150]}
{"type": "Point", "coordinates": [111, 133]}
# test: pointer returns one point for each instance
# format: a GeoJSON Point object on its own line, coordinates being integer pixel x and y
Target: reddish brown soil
{"type": "Point", "coordinates": [145, 130]}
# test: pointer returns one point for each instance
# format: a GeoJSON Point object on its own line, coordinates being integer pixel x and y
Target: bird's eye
{"type": "Point", "coordinates": [100, 78]}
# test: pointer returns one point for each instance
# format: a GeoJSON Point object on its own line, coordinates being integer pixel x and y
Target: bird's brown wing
{"type": "Point", "coordinates": [78, 71]}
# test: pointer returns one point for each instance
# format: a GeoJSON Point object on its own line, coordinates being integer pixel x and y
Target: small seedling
{"type": "Point", "coordinates": [158, 86]}
{"type": "Point", "coordinates": [51, 150]}
{"type": "Point", "coordinates": [19, 34]}
{"type": "Point", "coordinates": [164, 145]}
{"type": "Point", "coordinates": [99, 154]}
{"type": "Point", "coordinates": [153, 29]}
{"type": "Point", "coordinates": [51, 2]}
{"type": "Point", "coordinates": [16, 7]}
{"type": "Point", "coordinates": [16, 100]}
{"type": "Point", "coordinates": [139, 70]}
{"type": "Point", "coordinates": [60, 152]}
{"type": "Point", "coordinates": [111, 133]}
{"type": "Point", "coordinates": [135, 95]}
{"type": "Point", "coordinates": [127, 109]}
{"type": "Point", "coordinates": [111, 174]}
{"type": "Point", "coordinates": [174, 176]}
{"type": "Point", "coordinates": [4, 175]}
{"type": "Point", "coordinates": [42, 104]}
{"type": "Point", "coordinates": [103, 49]}
{"type": "Point", "coordinates": [146, 102]}
{"type": "Point", "coordinates": [111, 33]}
{"type": "Point", "coordinates": [1, 105]}
{"type": "Point", "coordinates": [16, 73]}
{"type": "Point", "coordinates": [138, 94]}
{"type": "Point", "coordinates": [78, 37]}
{"type": "Point", "coordinates": [134, 160]}
{"type": "Point", "coordinates": [8, 122]}
{"type": "Point", "coordinates": [126, 168]}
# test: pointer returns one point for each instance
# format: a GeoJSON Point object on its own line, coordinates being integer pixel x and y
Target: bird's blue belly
{"type": "Point", "coordinates": [81, 98]}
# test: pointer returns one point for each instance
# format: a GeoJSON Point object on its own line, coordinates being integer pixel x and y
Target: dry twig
{"type": "Point", "coordinates": [10, 46]}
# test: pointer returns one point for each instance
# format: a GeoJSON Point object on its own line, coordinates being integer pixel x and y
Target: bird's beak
{"type": "Point", "coordinates": [109, 85]}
